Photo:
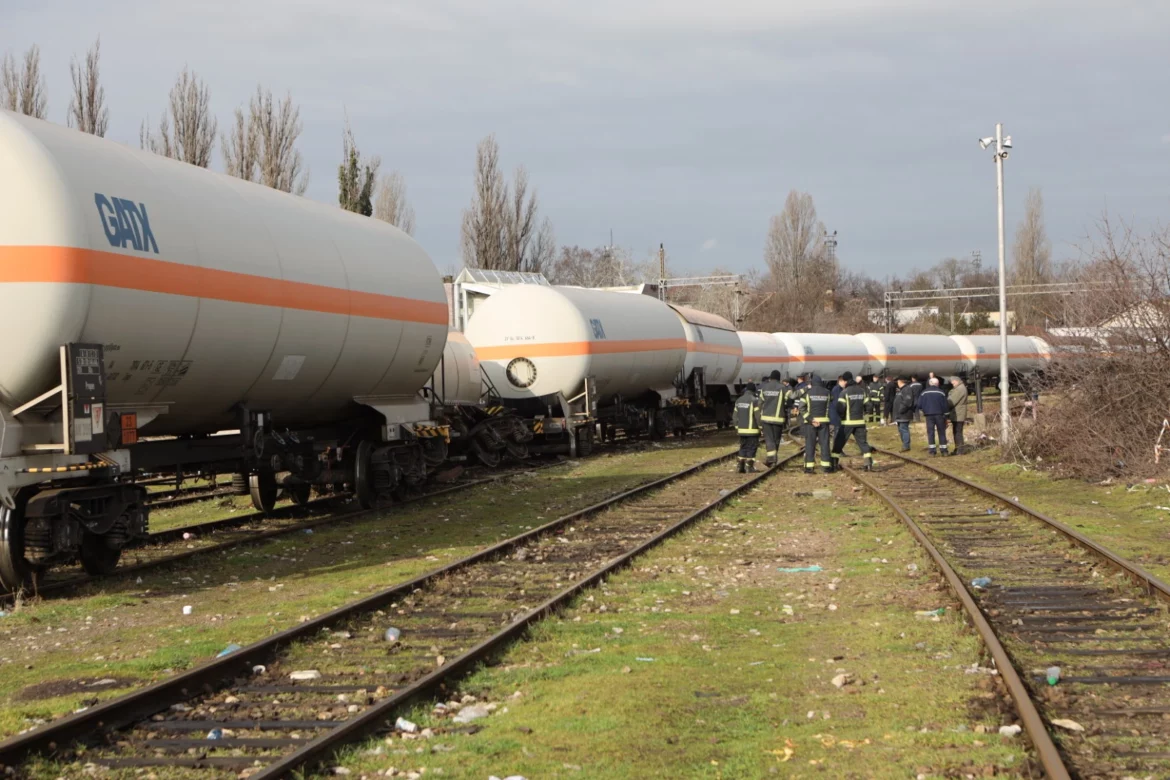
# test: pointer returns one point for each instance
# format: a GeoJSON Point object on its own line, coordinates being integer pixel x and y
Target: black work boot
{"type": "Point", "coordinates": [869, 465]}
{"type": "Point", "coordinates": [827, 469]}
{"type": "Point", "coordinates": [809, 470]}
{"type": "Point", "coordinates": [751, 467]}
{"type": "Point", "coordinates": [944, 453]}
{"type": "Point", "coordinates": [742, 467]}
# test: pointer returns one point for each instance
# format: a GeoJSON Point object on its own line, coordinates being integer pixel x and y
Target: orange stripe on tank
{"type": "Point", "coordinates": [145, 274]}
{"type": "Point", "coordinates": [715, 349]}
{"type": "Point", "coordinates": [574, 348]}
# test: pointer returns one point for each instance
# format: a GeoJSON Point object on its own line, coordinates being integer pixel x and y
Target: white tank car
{"type": "Point", "coordinates": [205, 291]}
{"type": "Point", "coordinates": [457, 380]}
{"type": "Point", "coordinates": [828, 355]}
{"type": "Point", "coordinates": [535, 341]}
{"type": "Point", "coordinates": [763, 353]}
{"type": "Point", "coordinates": [905, 353]}
{"type": "Point", "coordinates": [1025, 354]}
{"type": "Point", "coordinates": [712, 345]}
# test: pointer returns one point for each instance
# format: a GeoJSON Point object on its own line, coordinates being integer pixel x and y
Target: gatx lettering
{"type": "Point", "coordinates": [126, 223]}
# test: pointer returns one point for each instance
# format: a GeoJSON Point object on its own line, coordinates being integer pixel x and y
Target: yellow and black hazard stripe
{"type": "Point", "coordinates": [492, 411]}
{"type": "Point", "coordinates": [433, 431]}
{"type": "Point", "coordinates": [680, 401]}
{"type": "Point", "coordinates": [538, 426]}
{"type": "Point", "coordinates": [60, 469]}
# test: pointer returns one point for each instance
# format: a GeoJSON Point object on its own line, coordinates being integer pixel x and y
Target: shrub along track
{"type": "Point", "coordinates": [1056, 599]}
{"type": "Point", "coordinates": [268, 722]}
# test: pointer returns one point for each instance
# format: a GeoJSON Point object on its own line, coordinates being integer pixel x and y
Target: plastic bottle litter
{"type": "Point", "coordinates": [188, 536]}
{"type": "Point", "coordinates": [981, 583]}
{"type": "Point", "coordinates": [3, 613]}
{"type": "Point", "coordinates": [931, 613]}
{"type": "Point", "coordinates": [259, 669]}
{"type": "Point", "coordinates": [798, 569]}
{"type": "Point", "coordinates": [215, 734]}
{"type": "Point", "coordinates": [308, 532]}
{"type": "Point", "coordinates": [1052, 674]}
{"type": "Point", "coordinates": [187, 610]}
{"type": "Point", "coordinates": [1009, 731]}
{"type": "Point", "coordinates": [471, 712]}
{"type": "Point", "coordinates": [392, 635]}
{"type": "Point", "coordinates": [402, 724]}
{"type": "Point", "coordinates": [305, 675]}
{"type": "Point", "coordinates": [233, 647]}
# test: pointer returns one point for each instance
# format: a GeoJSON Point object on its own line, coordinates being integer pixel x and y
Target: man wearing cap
{"type": "Point", "coordinates": [747, 425]}
{"type": "Point", "coordinates": [772, 415]}
{"type": "Point", "coordinates": [957, 401]}
{"type": "Point", "coordinates": [933, 404]}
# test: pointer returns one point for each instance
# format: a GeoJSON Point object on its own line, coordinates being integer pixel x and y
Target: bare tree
{"type": "Point", "coordinates": [23, 89]}
{"type": "Point", "coordinates": [356, 176]}
{"type": "Point", "coordinates": [607, 266]}
{"type": "Point", "coordinates": [240, 148]}
{"type": "Point", "coordinates": [501, 228]}
{"type": "Point", "coordinates": [390, 204]}
{"type": "Point", "coordinates": [189, 111]}
{"type": "Point", "coordinates": [1032, 260]}
{"type": "Point", "coordinates": [87, 106]}
{"type": "Point", "coordinates": [802, 275]}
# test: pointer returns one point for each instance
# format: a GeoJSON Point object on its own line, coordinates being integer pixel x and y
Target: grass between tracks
{"type": "Point", "coordinates": [1125, 517]}
{"type": "Point", "coordinates": [707, 661]}
{"type": "Point", "coordinates": [58, 655]}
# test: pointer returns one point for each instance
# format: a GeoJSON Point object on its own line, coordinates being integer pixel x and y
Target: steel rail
{"type": "Point", "coordinates": [1046, 749]}
{"type": "Point", "coordinates": [1152, 584]}
{"type": "Point", "coordinates": [221, 672]}
{"type": "Point", "coordinates": [318, 750]}
{"type": "Point", "coordinates": [175, 534]}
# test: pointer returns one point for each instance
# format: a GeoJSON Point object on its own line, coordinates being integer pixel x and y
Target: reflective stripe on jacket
{"type": "Point", "coordinates": [772, 401]}
{"type": "Point", "coordinates": [933, 401]}
{"type": "Point", "coordinates": [747, 415]}
{"type": "Point", "coordinates": [814, 404]}
{"type": "Point", "coordinates": [851, 404]}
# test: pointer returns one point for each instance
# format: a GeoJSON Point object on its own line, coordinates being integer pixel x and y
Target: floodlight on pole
{"type": "Point", "coordinates": [1002, 146]}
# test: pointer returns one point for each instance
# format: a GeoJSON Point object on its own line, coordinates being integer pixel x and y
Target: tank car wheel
{"type": "Point", "coordinates": [300, 494]}
{"type": "Point", "coordinates": [486, 456]}
{"type": "Point", "coordinates": [15, 570]}
{"type": "Point", "coordinates": [516, 449]}
{"type": "Point", "coordinates": [263, 488]}
{"type": "Point", "coordinates": [657, 426]}
{"type": "Point", "coordinates": [98, 558]}
{"type": "Point", "coordinates": [363, 481]}
{"type": "Point", "coordinates": [584, 441]}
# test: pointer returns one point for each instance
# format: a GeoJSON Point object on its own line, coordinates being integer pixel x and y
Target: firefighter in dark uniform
{"type": "Point", "coordinates": [813, 405]}
{"type": "Point", "coordinates": [747, 425]}
{"type": "Point", "coordinates": [852, 403]}
{"type": "Point", "coordinates": [874, 396]}
{"type": "Point", "coordinates": [772, 402]}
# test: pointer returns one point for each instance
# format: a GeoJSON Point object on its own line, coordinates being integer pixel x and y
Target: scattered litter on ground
{"type": "Point", "coordinates": [187, 610]}
{"type": "Point", "coordinates": [392, 635]}
{"type": "Point", "coordinates": [1052, 674]}
{"type": "Point", "coordinates": [931, 614]}
{"type": "Point", "coordinates": [798, 569]}
{"type": "Point", "coordinates": [307, 532]}
{"type": "Point", "coordinates": [841, 680]}
{"type": "Point", "coordinates": [233, 647]}
{"type": "Point", "coordinates": [645, 660]}
{"type": "Point", "coordinates": [304, 675]}
{"type": "Point", "coordinates": [402, 724]}
{"type": "Point", "coordinates": [215, 734]}
{"type": "Point", "coordinates": [981, 583]}
{"type": "Point", "coordinates": [188, 536]}
{"type": "Point", "coordinates": [471, 712]}
{"type": "Point", "coordinates": [1009, 731]}
{"type": "Point", "coordinates": [787, 609]}
{"type": "Point", "coordinates": [1070, 725]}
{"type": "Point", "coordinates": [259, 669]}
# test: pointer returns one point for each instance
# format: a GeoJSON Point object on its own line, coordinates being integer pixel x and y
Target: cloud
{"type": "Point", "coordinates": [1166, 138]}
{"type": "Point", "coordinates": [708, 245]}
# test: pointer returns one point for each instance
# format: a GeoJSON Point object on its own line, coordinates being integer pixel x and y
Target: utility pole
{"type": "Point", "coordinates": [830, 240]}
{"type": "Point", "coordinates": [662, 272]}
{"type": "Point", "coordinates": [1003, 145]}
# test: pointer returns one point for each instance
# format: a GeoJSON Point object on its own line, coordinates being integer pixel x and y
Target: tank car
{"type": "Point", "coordinates": [921, 355]}
{"type": "Point", "coordinates": [478, 425]}
{"type": "Point", "coordinates": [763, 353]}
{"type": "Point", "coordinates": [150, 303]}
{"type": "Point", "coordinates": [1026, 355]}
{"type": "Point", "coordinates": [712, 365]}
{"type": "Point", "coordinates": [828, 355]}
{"type": "Point", "coordinates": [568, 357]}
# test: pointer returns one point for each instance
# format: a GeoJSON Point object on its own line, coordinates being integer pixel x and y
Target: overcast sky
{"type": "Point", "coordinates": [681, 121]}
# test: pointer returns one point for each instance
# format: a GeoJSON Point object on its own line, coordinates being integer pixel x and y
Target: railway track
{"type": "Point", "coordinates": [289, 702]}
{"type": "Point", "coordinates": [1056, 600]}
{"type": "Point", "coordinates": [182, 543]}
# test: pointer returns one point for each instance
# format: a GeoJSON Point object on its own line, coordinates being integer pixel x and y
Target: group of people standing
{"type": "Point", "coordinates": [829, 415]}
